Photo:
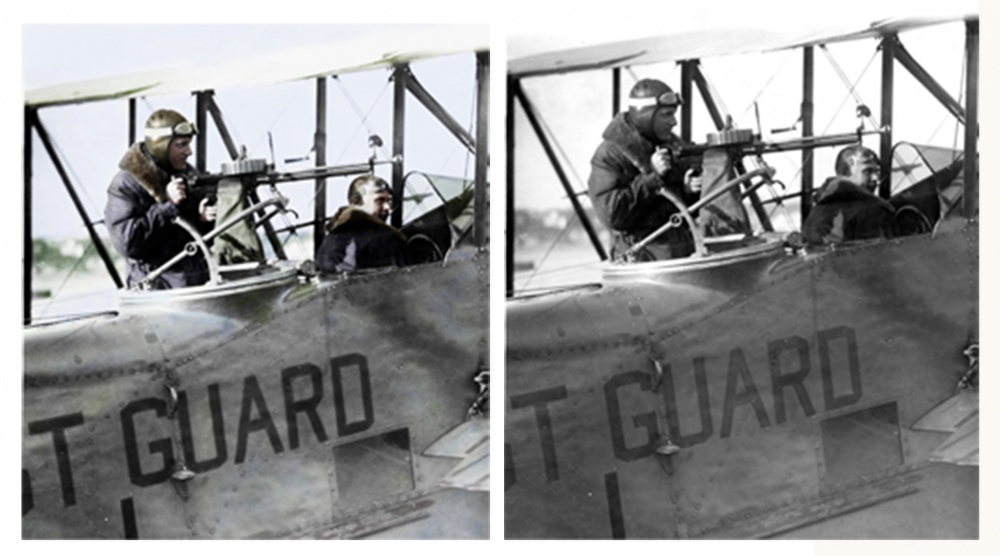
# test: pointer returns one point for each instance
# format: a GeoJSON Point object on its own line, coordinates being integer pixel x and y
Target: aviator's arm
{"type": "Point", "coordinates": [132, 222]}
{"type": "Point", "coordinates": [621, 190]}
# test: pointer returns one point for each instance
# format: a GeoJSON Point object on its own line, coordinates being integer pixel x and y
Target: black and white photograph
{"type": "Point", "coordinates": [742, 273]}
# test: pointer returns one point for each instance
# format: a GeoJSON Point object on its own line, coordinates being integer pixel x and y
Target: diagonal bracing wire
{"type": "Point", "coordinates": [362, 116]}
{"type": "Point", "coordinates": [764, 88]}
{"type": "Point", "coordinates": [548, 251]}
{"type": "Point", "coordinates": [852, 92]}
{"type": "Point", "coordinates": [851, 87]}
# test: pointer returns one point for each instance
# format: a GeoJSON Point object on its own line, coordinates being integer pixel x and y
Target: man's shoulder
{"type": "Point", "coordinates": [138, 170]}
{"type": "Point", "coordinates": [352, 220]}
{"type": "Point", "coordinates": [622, 140]}
{"type": "Point", "coordinates": [841, 190]}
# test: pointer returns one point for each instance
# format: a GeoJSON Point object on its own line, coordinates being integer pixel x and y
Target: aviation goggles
{"type": "Point", "coordinates": [183, 128]}
{"type": "Point", "coordinates": [668, 98]}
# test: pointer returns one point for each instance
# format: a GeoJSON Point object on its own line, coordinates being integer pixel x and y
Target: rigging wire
{"type": "Point", "coordinates": [267, 134]}
{"type": "Point", "coordinates": [558, 147]}
{"type": "Point", "coordinates": [549, 250]}
{"type": "Point", "coordinates": [851, 87]}
{"type": "Point", "coordinates": [779, 204]}
{"type": "Point", "coordinates": [851, 92]}
{"type": "Point", "coordinates": [89, 200]}
{"type": "Point", "coordinates": [75, 179]}
{"type": "Point", "coordinates": [76, 265]}
{"type": "Point", "coordinates": [961, 97]}
{"type": "Point", "coordinates": [363, 116]}
{"type": "Point", "coordinates": [363, 123]}
{"type": "Point", "coordinates": [764, 88]}
{"type": "Point", "coordinates": [562, 155]}
{"type": "Point", "coordinates": [471, 128]}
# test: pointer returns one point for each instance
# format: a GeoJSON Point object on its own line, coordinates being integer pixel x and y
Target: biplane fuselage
{"type": "Point", "coordinates": [335, 385]}
{"type": "Point", "coordinates": [789, 381]}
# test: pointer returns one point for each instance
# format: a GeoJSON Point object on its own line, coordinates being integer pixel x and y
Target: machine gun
{"type": "Point", "coordinates": [234, 189]}
{"type": "Point", "coordinates": [744, 142]}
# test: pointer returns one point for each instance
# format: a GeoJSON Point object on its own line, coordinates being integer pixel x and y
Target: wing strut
{"type": "Point", "coordinates": [398, 135]}
{"type": "Point", "coordinates": [808, 165]}
{"type": "Point", "coordinates": [435, 108]}
{"type": "Point", "coordinates": [511, 232]}
{"type": "Point", "coordinates": [27, 257]}
{"type": "Point", "coordinates": [529, 111]}
{"type": "Point", "coordinates": [713, 109]}
{"type": "Point", "coordinates": [481, 232]}
{"type": "Point", "coordinates": [206, 105]}
{"type": "Point", "coordinates": [319, 143]}
{"type": "Point", "coordinates": [31, 120]}
{"type": "Point", "coordinates": [905, 59]}
{"type": "Point", "coordinates": [971, 194]}
{"type": "Point", "coordinates": [885, 145]}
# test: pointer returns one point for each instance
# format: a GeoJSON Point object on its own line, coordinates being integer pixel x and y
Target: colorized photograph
{"type": "Point", "coordinates": [255, 282]}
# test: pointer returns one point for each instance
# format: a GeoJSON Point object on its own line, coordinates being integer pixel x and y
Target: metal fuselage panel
{"type": "Point", "coordinates": [302, 408]}
{"type": "Point", "coordinates": [770, 372]}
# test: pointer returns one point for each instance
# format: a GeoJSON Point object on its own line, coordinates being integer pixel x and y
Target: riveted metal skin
{"type": "Point", "coordinates": [284, 384]}
{"type": "Point", "coordinates": [743, 359]}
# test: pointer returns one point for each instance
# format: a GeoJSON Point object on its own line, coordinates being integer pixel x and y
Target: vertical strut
{"type": "Point", "coordinates": [480, 236]}
{"type": "Point", "coordinates": [687, 74]}
{"type": "Point", "coordinates": [398, 121]}
{"type": "Point", "coordinates": [201, 119]}
{"type": "Point", "coordinates": [616, 91]}
{"type": "Point", "coordinates": [511, 231]}
{"type": "Point", "coordinates": [808, 82]}
{"type": "Point", "coordinates": [29, 117]}
{"type": "Point", "coordinates": [319, 142]}
{"type": "Point", "coordinates": [131, 122]}
{"type": "Point", "coordinates": [885, 150]}
{"type": "Point", "coordinates": [971, 194]}
{"type": "Point", "coordinates": [720, 123]}
{"type": "Point", "coordinates": [560, 173]}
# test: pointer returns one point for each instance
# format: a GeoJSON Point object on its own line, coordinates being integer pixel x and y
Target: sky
{"type": "Point", "coordinates": [772, 80]}
{"type": "Point", "coordinates": [92, 137]}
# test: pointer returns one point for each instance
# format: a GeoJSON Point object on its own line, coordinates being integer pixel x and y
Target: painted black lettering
{"type": "Point", "coordinates": [27, 496]}
{"type": "Point", "coordinates": [646, 420]}
{"type": "Point", "coordinates": [738, 370]}
{"type": "Point", "coordinates": [162, 446]}
{"type": "Point", "coordinates": [796, 379]}
{"type": "Point", "coordinates": [252, 397]}
{"type": "Point", "coordinates": [540, 401]}
{"type": "Point", "coordinates": [337, 366]}
{"type": "Point", "coordinates": [614, 506]}
{"type": "Point", "coordinates": [57, 426]}
{"type": "Point", "coordinates": [704, 406]}
{"type": "Point", "coordinates": [218, 431]}
{"type": "Point", "coordinates": [309, 406]}
{"type": "Point", "coordinates": [509, 475]}
{"type": "Point", "coordinates": [826, 337]}
{"type": "Point", "coordinates": [128, 519]}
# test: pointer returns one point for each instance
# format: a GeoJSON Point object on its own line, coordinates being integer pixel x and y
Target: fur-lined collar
{"type": "Point", "coordinates": [138, 162]}
{"type": "Point", "coordinates": [622, 132]}
{"type": "Point", "coordinates": [842, 190]}
{"type": "Point", "coordinates": [353, 218]}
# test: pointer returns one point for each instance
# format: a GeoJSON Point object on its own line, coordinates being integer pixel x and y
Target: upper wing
{"type": "Point", "coordinates": [308, 62]}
